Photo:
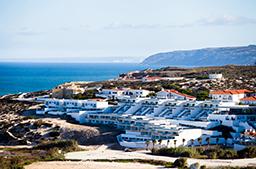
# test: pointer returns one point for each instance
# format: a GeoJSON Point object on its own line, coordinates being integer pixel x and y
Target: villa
{"type": "Point", "coordinates": [171, 117]}
{"type": "Point", "coordinates": [174, 94]}
{"type": "Point", "coordinates": [122, 93]}
{"type": "Point", "coordinates": [229, 95]}
{"type": "Point", "coordinates": [110, 93]}
{"type": "Point", "coordinates": [249, 100]}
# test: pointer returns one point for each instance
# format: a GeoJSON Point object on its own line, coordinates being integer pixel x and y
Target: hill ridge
{"type": "Point", "coordinates": [213, 56]}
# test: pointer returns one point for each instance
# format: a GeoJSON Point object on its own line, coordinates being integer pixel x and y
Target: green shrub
{"type": "Point", "coordinates": [178, 152]}
{"type": "Point", "coordinates": [11, 163]}
{"type": "Point", "coordinates": [221, 153]}
{"type": "Point", "coordinates": [53, 154]}
{"type": "Point", "coordinates": [203, 167]}
{"type": "Point", "coordinates": [212, 155]}
{"type": "Point", "coordinates": [180, 163]}
{"type": "Point", "coordinates": [204, 153]}
{"type": "Point", "coordinates": [248, 152]}
{"type": "Point", "coordinates": [168, 165]}
{"type": "Point", "coordinates": [64, 145]}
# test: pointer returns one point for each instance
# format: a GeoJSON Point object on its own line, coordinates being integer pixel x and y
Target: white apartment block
{"type": "Point", "coordinates": [175, 119]}
{"type": "Point", "coordinates": [229, 95]}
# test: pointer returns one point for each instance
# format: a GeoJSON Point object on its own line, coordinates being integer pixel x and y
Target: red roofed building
{"type": "Point", "coordinates": [229, 95]}
{"type": "Point", "coordinates": [174, 94]}
{"type": "Point", "coordinates": [249, 100]}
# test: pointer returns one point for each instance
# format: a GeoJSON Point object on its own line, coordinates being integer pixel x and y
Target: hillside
{"type": "Point", "coordinates": [244, 55]}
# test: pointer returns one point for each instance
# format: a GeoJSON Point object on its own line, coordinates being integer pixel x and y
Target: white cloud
{"type": "Point", "coordinates": [118, 25]}
{"type": "Point", "coordinates": [226, 20]}
{"type": "Point", "coordinates": [208, 21]}
{"type": "Point", "coordinates": [25, 31]}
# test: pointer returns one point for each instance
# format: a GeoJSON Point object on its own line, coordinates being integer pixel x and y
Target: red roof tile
{"type": "Point", "coordinates": [181, 94]}
{"type": "Point", "coordinates": [252, 98]}
{"type": "Point", "coordinates": [241, 91]}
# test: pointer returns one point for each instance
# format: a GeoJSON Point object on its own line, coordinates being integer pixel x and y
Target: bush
{"type": "Point", "coordinates": [53, 154]}
{"type": "Point", "coordinates": [64, 145]}
{"type": "Point", "coordinates": [178, 152]}
{"type": "Point", "coordinates": [180, 163]}
{"type": "Point", "coordinates": [11, 163]}
{"type": "Point", "coordinates": [203, 167]}
{"type": "Point", "coordinates": [200, 152]}
{"type": "Point", "coordinates": [168, 165]}
{"type": "Point", "coordinates": [221, 153]}
{"type": "Point", "coordinates": [248, 152]}
{"type": "Point", "coordinates": [212, 155]}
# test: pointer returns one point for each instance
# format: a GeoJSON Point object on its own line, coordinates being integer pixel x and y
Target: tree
{"type": "Point", "coordinates": [180, 163]}
{"type": "Point", "coordinates": [147, 144]}
{"type": "Point", "coordinates": [217, 140]}
{"type": "Point", "coordinates": [199, 141]}
{"type": "Point", "coordinates": [202, 94]}
{"type": "Point", "coordinates": [154, 143]}
{"type": "Point", "coordinates": [151, 95]}
{"type": "Point", "coordinates": [208, 141]}
{"type": "Point", "coordinates": [168, 142]}
{"type": "Point", "coordinates": [192, 142]}
{"type": "Point", "coordinates": [160, 141]}
{"type": "Point", "coordinates": [183, 141]}
{"type": "Point", "coordinates": [225, 141]}
{"type": "Point", "coordinates": [175, 142]}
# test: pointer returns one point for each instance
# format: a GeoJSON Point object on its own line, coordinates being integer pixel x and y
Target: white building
{"type": "Point", "coordinates": [110, 93]}
{"type": "Point", "coordinates": [123, 93]}
{"type": "Point", "coordinates": [170, 117]}
{"type": "Point", "coordinates": [215, 76]}
{"type": "Point", "coordinates": [64, 106]}
{"type": "Point", "coordinates": [229, 95]}
{"type": "Point", "coordinates": [249, 100]}
{"type": "Point", "coordinates": [156, 78]}
{"type": "Point", "coordinates": [174, 94]}
{"type": "Point", "coordinates": [136, 92]}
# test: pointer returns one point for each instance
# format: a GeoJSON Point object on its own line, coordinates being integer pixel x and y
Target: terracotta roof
{"type": "Point", "coordinates": [181, 94]}
{"type": "Point", "coordinates": [241, 91]}
{"type": "Point", "coordinates": [252, 98]}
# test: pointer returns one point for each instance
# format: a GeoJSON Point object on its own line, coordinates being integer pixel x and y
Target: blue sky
{"type": "Point", "coordinates": [119, 30]}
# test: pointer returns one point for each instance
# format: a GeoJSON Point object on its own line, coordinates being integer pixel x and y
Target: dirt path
{"type": "Point", "coordinates": [118, 154]}
{"type": "Point", "coordinates": [88, 165]}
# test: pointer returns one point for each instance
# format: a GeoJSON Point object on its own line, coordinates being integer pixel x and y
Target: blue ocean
{"type": "Point", "coordinates": [27, 77]}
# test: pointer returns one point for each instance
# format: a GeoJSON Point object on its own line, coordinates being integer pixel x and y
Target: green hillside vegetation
{"type": "Point", "coordinates": [213, 152]}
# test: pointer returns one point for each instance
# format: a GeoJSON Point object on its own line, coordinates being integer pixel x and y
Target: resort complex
{"type": "Point", "coordinates": [167, 118]}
